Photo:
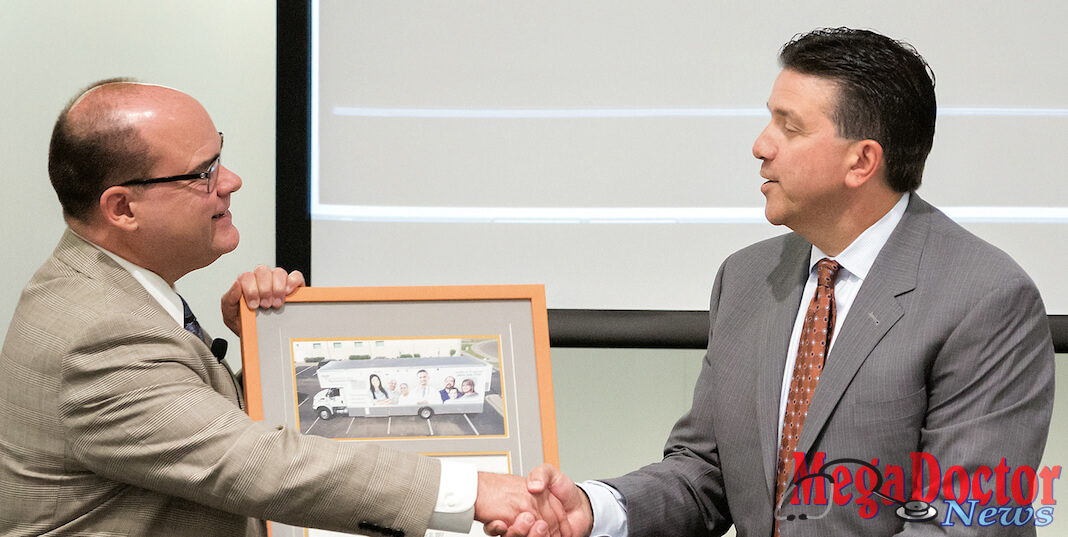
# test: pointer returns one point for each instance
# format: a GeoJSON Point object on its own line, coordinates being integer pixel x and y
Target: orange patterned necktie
{"type": "Point", "coordinates": [811, 353]}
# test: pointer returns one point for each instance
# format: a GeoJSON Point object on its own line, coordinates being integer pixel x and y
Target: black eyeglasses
{"type": "Point", "coordinates": [209, 178]}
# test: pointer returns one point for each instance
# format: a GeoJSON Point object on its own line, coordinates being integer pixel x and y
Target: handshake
{"type": "Point", "coordinates": [546, 503]}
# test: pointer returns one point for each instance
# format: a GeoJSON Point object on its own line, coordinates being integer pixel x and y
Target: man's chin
{"type": "Point", "coordinates": [228, 243]}
{"type": "Point", "coordinates": [773, 217]}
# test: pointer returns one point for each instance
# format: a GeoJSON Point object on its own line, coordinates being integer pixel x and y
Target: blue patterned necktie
{"type": "Point", "coordinates": [191, 323]}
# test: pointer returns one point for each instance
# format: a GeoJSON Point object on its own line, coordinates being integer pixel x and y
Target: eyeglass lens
{"type": "Point", "coordinates": [213, 174]}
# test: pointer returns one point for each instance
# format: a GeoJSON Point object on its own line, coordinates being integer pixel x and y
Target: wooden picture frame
{"type": "Point", "coordinates": [312, 365]}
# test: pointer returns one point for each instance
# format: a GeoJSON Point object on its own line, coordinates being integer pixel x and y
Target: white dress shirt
{"type": "Point", "coordinates": [856, 261]}
{"type": "Point", "coordinates": [609, 509]}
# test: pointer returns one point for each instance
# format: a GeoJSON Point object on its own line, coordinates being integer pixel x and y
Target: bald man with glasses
{"type": "Point", "coordinates": [116, 416]}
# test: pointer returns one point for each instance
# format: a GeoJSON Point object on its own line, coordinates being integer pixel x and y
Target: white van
{"type": "Point", "coordinates": [350, 387]}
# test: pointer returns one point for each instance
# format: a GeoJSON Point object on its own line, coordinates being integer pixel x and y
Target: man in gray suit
{"type": "Point", "coordinates": [939, 348]}
{"type": "Point", "coordinates": [115, 416]}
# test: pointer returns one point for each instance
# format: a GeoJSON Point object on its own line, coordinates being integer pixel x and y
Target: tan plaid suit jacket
{"type": "Point", "coordinates": [116, 421]}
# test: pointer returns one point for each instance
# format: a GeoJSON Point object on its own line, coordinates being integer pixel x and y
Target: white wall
{"type": "Point", "coordinates": [381, 348]}
{"type": "Point", "coordinates": [222, 53]}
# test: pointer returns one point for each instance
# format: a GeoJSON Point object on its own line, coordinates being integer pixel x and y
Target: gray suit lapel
{"type": "Point", "coordinates": [787, 281]}
{"type": "Point", "coordinates": [874, 311]}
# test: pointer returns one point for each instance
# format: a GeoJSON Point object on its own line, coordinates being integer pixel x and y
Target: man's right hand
{"type": "Point", "coordinates": [575, 519]}
{"type": "Point", "coordinates": [505, 508]}
{"type": "Point", "coordinates": [578, 512]}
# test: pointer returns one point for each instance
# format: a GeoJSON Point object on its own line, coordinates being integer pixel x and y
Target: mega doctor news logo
{"type": "Point", "coordinates": [998, 496]}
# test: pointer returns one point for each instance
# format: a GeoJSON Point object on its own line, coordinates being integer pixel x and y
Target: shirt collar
{"type": "Point", "coordinates": [860, 255]}
{"type": "Point", "coordinates": [157, 288]}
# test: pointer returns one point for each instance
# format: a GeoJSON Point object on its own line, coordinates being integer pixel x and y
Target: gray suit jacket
{"type": "Point", "coordinates": [114, 420]}
{"type": "Point", "coordinates": [946, 350]}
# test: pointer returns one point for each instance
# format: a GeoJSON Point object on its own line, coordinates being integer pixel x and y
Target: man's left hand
{"type": "Point", "coordinates": [262, 287]}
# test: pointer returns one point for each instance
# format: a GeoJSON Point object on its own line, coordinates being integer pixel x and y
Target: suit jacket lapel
{"type": "Point", "coordinates": [87, 259]}
{"type": "Point", "coordinates": [874, 311]}
{"type": "Point", "coordinates": [787, 281]}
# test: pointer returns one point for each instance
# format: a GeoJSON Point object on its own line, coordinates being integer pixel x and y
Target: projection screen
{"type": "Point", "coordinates": [603, 148]}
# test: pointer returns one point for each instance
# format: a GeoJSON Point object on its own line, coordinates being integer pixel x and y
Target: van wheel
{"type": "Point", "coordinates": [324, 413]}
{"type": "Point", "coordinates": [426, 412]}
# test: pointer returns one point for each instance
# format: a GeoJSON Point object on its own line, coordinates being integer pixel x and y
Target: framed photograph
{"type": "Point", "coordinates": [448, 371]}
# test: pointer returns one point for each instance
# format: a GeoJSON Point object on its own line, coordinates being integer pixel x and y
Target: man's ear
{"type": "Point", "coordinates": [116, 208]}
{"type": "Point", "coordinates": [866, 162]}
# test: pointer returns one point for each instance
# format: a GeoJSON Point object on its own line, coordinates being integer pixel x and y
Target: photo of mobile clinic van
{"type": "Point", "coordinates": [394, 387]}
